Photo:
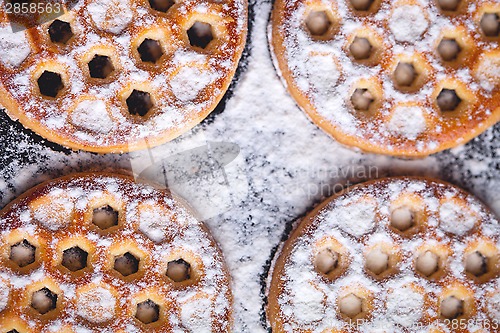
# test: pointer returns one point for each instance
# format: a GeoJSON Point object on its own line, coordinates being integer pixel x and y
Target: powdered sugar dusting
{"type": "Point", "coordinates": [324, 72]}
{"type": "Point", "coordinates": [96, 305]}
{"type": "Point", "coordinates": [4, 294]}
{"type": "Point", "coordinates": [456, 218]}
{"type": "Point", "coordinates": [357, 218]}
{"type": "Point", "coordinates": [194, 315]}
{"type": "Point", "coordinates": [14, 47]}
{"type": "Point", "coordinates": [172, 84]}
{"type": "Point", "coordinates": [493, 305]}
{"type": "Point", "coordinates": [111, 15]}
{"type": "Point", "coordinates": [308, 302]}
{"type": "Point", "coordinates": [92, 115]}
{"type": "Point", "coordinates": [154, 220]}
{"type": "Point", "coordinates": [408, 23]}
{"type": "Point", "coordinates": [395, 28]}
{"type": "Point", "coordinates": [408, 122]}
{"type": "Point", "coordinates": [189, 81]}
{"type": "Point", "coordinates": [274, 137]}
{"type": "Point", "coordinates": [488, 71]}
{"type": "Point", "coordinates": [55, 210]}
{"type": "Point", "coordinates": [405, 306]}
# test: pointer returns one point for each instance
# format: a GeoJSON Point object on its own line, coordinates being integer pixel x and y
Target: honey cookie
{"type": "Point", "coordinates": [390, 255]}
{"type": "Point", "coordinates": [405, 78]}
{"type": "Point", "coordinates": [116, 76]}
{"type": "Point", "coordinates": [100, 252]}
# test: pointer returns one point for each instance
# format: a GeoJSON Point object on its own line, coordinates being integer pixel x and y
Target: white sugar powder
{"type": "Point", "coordinates": [408, 23]}
{"type": "Point", "coordinates": [378, 326]}
{"type": "Point", "coordinates": [96, 305]}
{"type": "Point", "coordinates": [14, 46]}
{"type": "Point", "coordinates": [55, 327]}
{"type": "Point", "coordinates": [398, 301]}
{"type": "Point", "coordinates": [196, 314]}
{"type": "Point", "coordinates": [97, 302]}
{"type": "Point", "coordinates": [323, 72]}
{"type": "Point", "coordinates": [407, 122]}
{"type": "Point", "coordinates": [54, 211]}
{"type": "Point", "coordinates": [404, 306]}
{"type": "Point", "coordinates": [288, 163]}
{"type": "Point", "coordinates": [189, 82]}
{"type": "Point", "coordinates": [488, 72]}
{"type": "Point", "coordinates": [4, 294]}
{"type": "Point", "coordinates": [308, 303]}
{"type": "Point", "coordinates": [493, 306]}
{"type": "Point", "coordinates": [357, 218]}
{"type": "Point", "coordinates": [455, 218]}
{"type": "Point", "coordinates": [80, 329]}
{"type": "Point", "coordinates": [93, 116]}
{"type": "Point", "coordinates": [111, 15]}
{"type": "Point", "coordinates": [153, 221]}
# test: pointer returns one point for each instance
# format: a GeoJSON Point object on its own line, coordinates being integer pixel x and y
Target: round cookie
{"type": "Point", "coordinates": [117, 76]}
{"type": "Point", "coordinates": [100, 252]}
{"type": "Point", "coordinates": [405, 78]}
{"type": "Point", "coordinates": [357, 263]}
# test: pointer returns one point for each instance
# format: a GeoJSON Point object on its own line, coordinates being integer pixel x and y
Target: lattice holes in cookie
{"type": "Point", "coordinates": [105, 243]}
{"type": "Point", "coordinates": [401, 253]}
{"type": "Point", "coordinates": [425, 68]}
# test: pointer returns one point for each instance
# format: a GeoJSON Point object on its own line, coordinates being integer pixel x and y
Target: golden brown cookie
{"type": "Point", "coordinates": [120, 75]}
{"type": "Point", "coordinates": [406, 78]}
{"type": "Point", "coordinates": [390, 255]}
{"type": "Point", "coordinates": [100, 252]}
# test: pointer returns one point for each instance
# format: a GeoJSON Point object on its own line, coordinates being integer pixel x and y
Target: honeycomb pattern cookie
{"type": "Point", "coordinates": [101, 253]}
{"type": "Point", "coordinates": [391, 255]}
{"type": "Point", "coordinates": [115, 76]}
{"type": "Point", "coordinates": [406, 78]}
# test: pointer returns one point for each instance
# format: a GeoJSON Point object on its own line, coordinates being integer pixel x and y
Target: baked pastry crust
{"type": "Point", "coordinates": [410, 280]}
{"type": "Point", "coordinates": [155, 268]}
{"type": "Point", "coordinates": [154, 76]}
{"type": "Point", "coordinates": [361, 49]}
